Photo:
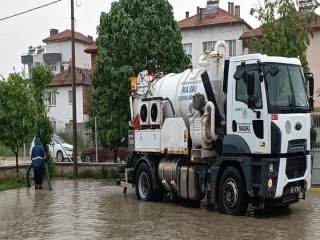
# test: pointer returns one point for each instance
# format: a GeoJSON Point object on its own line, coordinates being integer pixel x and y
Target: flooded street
{"type": "Point", "coordinates": [94, 210]}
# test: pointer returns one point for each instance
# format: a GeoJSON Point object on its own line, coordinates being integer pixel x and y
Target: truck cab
{"type": "Point", "coordinates": [268, 121]}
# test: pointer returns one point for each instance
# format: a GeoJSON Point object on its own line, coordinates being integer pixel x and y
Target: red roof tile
{"type": "Point", "coordinates": [65, 78]}
{"type": "Point", "coordinates": [220, 18]}
{"type": "Point", "coordinates": [91, 49]}
{"type": "Point", "coordinates": [66, 36]}
{"type": "Point", "coordinates": [257, 33]}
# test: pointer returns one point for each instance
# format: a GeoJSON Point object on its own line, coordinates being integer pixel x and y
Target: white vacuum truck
{"type": "Point", "coordinates": [233, 133]}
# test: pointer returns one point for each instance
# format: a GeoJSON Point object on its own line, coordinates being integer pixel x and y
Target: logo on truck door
{"type": "Point", "coordinates": [244, 113]}
{"type": "Point", "coordinates": [244, 127]}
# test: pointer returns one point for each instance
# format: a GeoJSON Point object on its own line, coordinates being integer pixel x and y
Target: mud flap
{"type": "Point", "coordinates": [214, 185]}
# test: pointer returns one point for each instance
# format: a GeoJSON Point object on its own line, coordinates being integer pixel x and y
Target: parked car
{"type": "Point", "coordinates": [104, 155]}
{"type": "Point", "coordinates": [58, 148]}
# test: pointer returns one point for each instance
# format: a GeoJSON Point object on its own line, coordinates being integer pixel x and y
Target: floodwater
{"type": "Point", "coordinates": [94, 210]}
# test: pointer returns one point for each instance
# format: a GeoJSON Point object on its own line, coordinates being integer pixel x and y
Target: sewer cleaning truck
{"type": "Point", "coordinates": [233, 133]}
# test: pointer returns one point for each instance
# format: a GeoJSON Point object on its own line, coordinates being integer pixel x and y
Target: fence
{"type": "Point", "coordinates": [315, 148]}
{"type": "Point", "coordinates": [84, 135]}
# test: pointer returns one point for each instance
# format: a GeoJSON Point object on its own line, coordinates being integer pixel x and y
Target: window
{"type": "Point", "coordinates": [188, 48]}
{"type": "Point", "coordinates": [52, 66]}
{"type": "Point", "coordinates": [209, 45]}
{"type": "Point", "coordinates": [232, 47]}
{"type": "Point", "coordinates": [70, 96]}
{"type": "Point", "coordinates": [52, 98]}
{"type": "Point", "coordinates": [241, 87]}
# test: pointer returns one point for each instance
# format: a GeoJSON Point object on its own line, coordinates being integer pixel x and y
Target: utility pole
{"type": "Point", "coordinates": [74, 98]}
{"type": "Point", "coordinates": [96, 137]}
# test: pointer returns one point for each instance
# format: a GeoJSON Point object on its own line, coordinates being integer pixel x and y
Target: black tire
{"type": "Point", "coordinates": [87, 158]}
{"type": "Point", "coordinates": [60, 157]}
{"type": "Point", "coordinates": [144, 185]}
{"type": "Point", "coordinates": [233, 198]}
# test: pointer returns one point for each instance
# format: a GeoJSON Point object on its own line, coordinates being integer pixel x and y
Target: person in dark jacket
{"type": "Point", "coordinates": [38, 156]}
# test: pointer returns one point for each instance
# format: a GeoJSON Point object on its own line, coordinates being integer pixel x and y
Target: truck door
{"type": "Point", "coordinates": [250, 124]}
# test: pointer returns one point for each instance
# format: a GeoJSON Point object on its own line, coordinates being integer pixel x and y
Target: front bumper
{"type": "Point", "coordinates": [284, 183]}
{"type": "Point", "coordinates": [292, 176]}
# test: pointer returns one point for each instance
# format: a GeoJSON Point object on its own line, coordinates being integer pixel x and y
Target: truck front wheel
{"type": "Point", "coordinates": [144, 185]}
{"type": "Point", "coordinates": [233, 198]}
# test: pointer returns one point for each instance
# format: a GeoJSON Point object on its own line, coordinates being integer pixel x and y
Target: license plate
{"type": "Point", "coordinates": [296, 189]}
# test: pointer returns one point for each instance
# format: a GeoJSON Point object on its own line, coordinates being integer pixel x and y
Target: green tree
{"type": "Point", "coordinates": [40, 78]}
{"type": "Point", "coordinates": [17, 113]}
{"type": "Point", "coordinates": [286, 31]}
{"type": "Point", "coordinates": [135, 35]}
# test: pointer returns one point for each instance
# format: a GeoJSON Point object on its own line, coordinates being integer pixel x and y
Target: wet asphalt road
{"type": "Point", "coordinates": [94, 210]}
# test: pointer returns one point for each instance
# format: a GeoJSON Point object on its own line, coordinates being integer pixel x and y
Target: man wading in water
{"type": "Point", "coordinates": [37, 156]}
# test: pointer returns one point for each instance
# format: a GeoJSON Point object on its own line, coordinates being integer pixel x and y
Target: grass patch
{"type": "Point", "coordinates": [13, 182]}
{"type": "Point", "coordinates": [102, 174]}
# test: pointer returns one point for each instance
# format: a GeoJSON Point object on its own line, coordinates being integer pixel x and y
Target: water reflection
{"type": "Point", "coordinates": [94, 210]}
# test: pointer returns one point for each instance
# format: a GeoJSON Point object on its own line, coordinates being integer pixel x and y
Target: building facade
{"type": "Point", "coordinates": [56, 52]}
{"type": "Point", "coordinates": [93, 51]}
{"type": "Point", "coordinates": [211, 24]}
{"type": "Point", "coordinates": [60, 98]}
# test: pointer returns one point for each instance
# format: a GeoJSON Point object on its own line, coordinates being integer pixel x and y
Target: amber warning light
{"type": "Point", "coordinates": [133, 84]}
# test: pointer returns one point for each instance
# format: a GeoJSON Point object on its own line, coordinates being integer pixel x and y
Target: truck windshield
{"type": "Point", "coordinates": [286, 91]}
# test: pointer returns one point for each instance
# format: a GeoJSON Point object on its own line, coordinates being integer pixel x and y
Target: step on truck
{"type": "Point", "coordinates": [233, 133]}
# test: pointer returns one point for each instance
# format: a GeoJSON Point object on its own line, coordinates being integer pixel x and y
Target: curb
{"type": "Point", "coordinates": [315, 189]}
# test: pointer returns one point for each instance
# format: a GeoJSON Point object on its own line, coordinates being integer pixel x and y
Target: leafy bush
{"type": "Point", "coordinates": [20, 178]}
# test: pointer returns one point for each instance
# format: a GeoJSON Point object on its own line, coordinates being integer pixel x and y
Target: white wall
{"type": "Point", "coordinates": [313, 54]}
{"type": "Point", "coordinates": [38, 58]}
{"type": "Point", "coordinates": [83, 60]}
{"type": "Point", "coordinates": [62, 112]}
{"type": "Point", "coordinates": [197, 36]}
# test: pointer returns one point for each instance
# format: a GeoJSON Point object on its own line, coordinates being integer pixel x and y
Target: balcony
{"type": "Point", "coordinates": [51, 57]}
{"type": "Point", "coordinates": [27, 59]}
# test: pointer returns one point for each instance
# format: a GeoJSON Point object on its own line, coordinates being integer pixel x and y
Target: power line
{"type": "Point", "coordinates": [1, 19]}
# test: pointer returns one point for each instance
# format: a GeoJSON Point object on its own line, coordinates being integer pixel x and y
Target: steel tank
{"type": "Point", "coordinates": [180, 88]}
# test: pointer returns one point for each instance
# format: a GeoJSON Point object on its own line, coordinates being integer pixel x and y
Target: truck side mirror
{"type": "Point", "coordinates": [239, 73]}
{"type": "Point", "coordinates": [250, 84]}
{"type": "Point", "coordinates": [252, 102]}
{"type": "Point", "coordinates": [311, 85]}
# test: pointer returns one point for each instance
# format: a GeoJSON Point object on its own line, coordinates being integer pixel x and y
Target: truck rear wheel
{"type": "Point", "coordinates": [144, 185]}
{"type": "Point", "coordinates": [233, 198]}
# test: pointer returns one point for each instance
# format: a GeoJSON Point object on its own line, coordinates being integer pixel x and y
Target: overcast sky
{"type": "Point", "coordinates": [19, 32]}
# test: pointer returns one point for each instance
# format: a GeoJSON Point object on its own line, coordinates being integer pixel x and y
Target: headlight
{"type": "Point", "coordinates": [271, 167]}
{"type": "Point", "coordinates": [67, 149]}
{"type": "Point", "coordinates": [270, 183]}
